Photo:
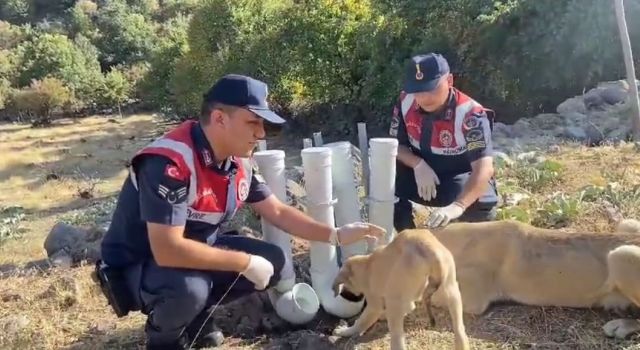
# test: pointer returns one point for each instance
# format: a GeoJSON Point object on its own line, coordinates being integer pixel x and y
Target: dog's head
{"type": "Point", "coordinates": [350, 279]}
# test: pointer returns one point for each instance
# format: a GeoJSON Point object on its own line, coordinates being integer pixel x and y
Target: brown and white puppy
{"type": "Point", "coordinates": [392, 278]}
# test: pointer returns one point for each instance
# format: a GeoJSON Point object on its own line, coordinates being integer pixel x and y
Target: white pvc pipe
{"type": "Point", "coordinates": [364, 156]}
{"type": "Point", "coordinates": [295, 303]}
{"type": "Point", "coordinates": [316, 162]}
{"type": "Point", "coordinates": [347, 209]}
{"type": "Point", "coordinates": [383, 153]}
{"type": "Point", "coordinates": [298, 306]}
{"type": "Point", "coordinates": [317, 139]}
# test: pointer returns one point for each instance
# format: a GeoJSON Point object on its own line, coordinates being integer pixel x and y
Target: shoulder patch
{"type": "Point", "coordinates": [173, 172]}
{"type": "Point", "coordinates": [471, 121]}
{"type": "Point", "coordinates": [172, 196]}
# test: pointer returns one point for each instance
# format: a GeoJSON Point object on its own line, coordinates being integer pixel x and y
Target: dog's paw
{"type": "Point", "coordinates": [344, 331]}
{"type": "Point", "coordinates": [621, 328]}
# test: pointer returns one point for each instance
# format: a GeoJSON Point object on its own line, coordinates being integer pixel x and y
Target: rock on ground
{"type": "Point", "coordinates": [601, 115]}
{"type": "Point", "coordinates": [67, 245]}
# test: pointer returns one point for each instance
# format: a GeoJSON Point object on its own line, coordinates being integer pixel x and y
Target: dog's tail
{"type": "Point", "coordinates": [630, 226]}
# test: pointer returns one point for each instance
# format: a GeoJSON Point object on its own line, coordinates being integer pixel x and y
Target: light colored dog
{"type": "Point", "coordinates": [509, 260]}
{"type": "Point", "coordinates": [392, 278]}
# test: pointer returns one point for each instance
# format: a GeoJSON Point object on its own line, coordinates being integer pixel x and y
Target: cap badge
{"type": "Point", "coordinates": [419, 74]}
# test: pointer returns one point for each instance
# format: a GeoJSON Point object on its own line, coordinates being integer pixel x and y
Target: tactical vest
{"type": "Point", "coordinates": [212, 197]}
{"type": "Point", "coordinates": [447, 138]}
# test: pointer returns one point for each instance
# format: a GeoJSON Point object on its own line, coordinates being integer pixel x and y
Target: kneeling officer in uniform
{"type": "Point", "coordinates": [445, 153]}
{"type": "Point", "coordinates": [163, 253]}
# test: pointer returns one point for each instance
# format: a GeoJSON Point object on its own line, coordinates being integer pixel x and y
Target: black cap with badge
{"type": "Point", "coordinates": [424, 72]}
{"type": "Point", "coordinates": [246, 92]}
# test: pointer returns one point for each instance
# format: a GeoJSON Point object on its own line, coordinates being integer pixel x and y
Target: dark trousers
{"type": "Point", "coordinates": [176, 300]}
{"type": "Point", "coordinates": [484, 209]}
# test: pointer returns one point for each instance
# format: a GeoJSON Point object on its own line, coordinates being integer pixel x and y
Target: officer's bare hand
{"type": "Point", "coordinates": [426, 180]}
{"type": "Point", "coordinates": [442, 216]}
{"type": "Point", "coordinates": [259, 271]}
{"type": "Point", "coordinates": [351, 233]}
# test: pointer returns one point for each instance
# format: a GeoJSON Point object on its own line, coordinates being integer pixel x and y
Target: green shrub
{"type": "Point", "coordinates": [56, 56]}
{"type": "Point", "coordinates": [17, 11]}
{"type": "Point", "coordinates": [126, 37]}
{"type": "Point", "coordinates": [156, 86]}
{"type": "Point", "coordinates": [10, 220]}
{"type": "Point", "coordinates": [41, 98]}
{"type": "Point", "coordinates": [5, 91]}
{"type": "Point", "coordinates": [558, 211]}
{"type": "Point", "coordinates": [115, 90]}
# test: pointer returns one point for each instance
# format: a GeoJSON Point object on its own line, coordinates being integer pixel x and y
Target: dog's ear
{"type": "Point", "coordinates": [342, 277]}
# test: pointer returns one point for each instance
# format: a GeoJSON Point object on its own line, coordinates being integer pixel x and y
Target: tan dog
{"type": "Point", "coordinates": [392, 278]}
{"type": "Point", "coordinates": [509, 260]}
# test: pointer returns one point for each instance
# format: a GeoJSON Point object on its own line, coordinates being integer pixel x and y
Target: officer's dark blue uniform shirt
{"type": "Point", "coordinates": [126, 240]}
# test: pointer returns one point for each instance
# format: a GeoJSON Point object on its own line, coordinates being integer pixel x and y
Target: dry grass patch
{"type": "Point", "coordinates": [68, 166]}
{"type": "Point", "coordinates": [575, 187]}
{"type": "Point", "coordinates": [44, 168]}
{"type": "Point", "coordinates": [62, 309]}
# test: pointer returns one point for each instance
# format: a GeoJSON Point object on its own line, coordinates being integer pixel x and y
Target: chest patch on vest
{"type": "Point", "coordinates": [243, 189]}
{"type": "Point", "coordinates": [446, 138]}
{"type": "Point", "coordinates": [442, 135]}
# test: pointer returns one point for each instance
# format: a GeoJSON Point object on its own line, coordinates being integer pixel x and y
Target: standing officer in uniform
{"type": "Point", "coordinates": [445, 151]}
{"type": "Point", "coordinates": [163, 254]}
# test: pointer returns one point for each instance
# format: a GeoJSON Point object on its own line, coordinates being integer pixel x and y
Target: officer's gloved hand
{"type": "Point", "coordinates": [426, 180]}
{"type": "Point", "coordinates": [259, 271]}
{"type": "Point", "coordinates": [442, 216]}
{"type": "Point", "coordinates": [353, 232]}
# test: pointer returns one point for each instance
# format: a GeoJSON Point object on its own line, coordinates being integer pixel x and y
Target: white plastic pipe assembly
{"type": "Point", "coordinates": [317, 166]}
{"type": "Point", "coordinates": [347, 208]}
{"type": "Point", "coordinates": [383, 152]}
{"type": "Point", "coordinates": [295, 303]}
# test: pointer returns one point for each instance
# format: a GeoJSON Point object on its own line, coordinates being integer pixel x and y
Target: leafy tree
{"type": "Point", "coordinates": [80, 19]}
{"type": "Point", "coordinates": [115, 89]}
{"type": "Point", "coordinates": [156, 87]}
{"type": "Point", "coordinates": [5, 89]}
{"type": "Point", "coordinates": [126, 37]}
{"type": "Point", "coordinates": [10, 35]}
{"type": "Point", "coordinates": [57, 56]}
{"type": "Point", "coordinates": [16, 11]}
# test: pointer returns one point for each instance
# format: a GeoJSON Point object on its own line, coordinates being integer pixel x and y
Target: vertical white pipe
{"type": "Point", "coordinates": [347, 209]}
{"type": "Point", "coordinates": [364, 155]}
{"type": "Point", "coordinates": [271, 166]}
{"type": "Point", "coordinates": [316, 162]}
{"type": "Point", "coordinates": [296, 303]}
{"type": "Point", "coordinates": [317, 139]}
{"type": "Point", "coordinates": [383, 174]}
{"type": "Point", "coordinates": [262, 145]}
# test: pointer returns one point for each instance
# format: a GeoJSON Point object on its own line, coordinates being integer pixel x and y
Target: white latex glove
{"type": "Point", "coordinates": [426, 180]}
{"type": "Point", "coordinates": [442, 216]}
{"type": "Point", "coordinates": [353, 232]}
{"type": "Point", "coordinates": [259, 271]}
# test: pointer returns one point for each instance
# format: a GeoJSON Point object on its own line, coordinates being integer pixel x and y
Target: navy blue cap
{"type": "Point", "coordinates": [424, 72]}
{"type": "Point", "coordinates": [243, 91]}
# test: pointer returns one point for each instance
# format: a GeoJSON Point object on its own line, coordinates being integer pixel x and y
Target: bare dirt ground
{"type": "Point", "coordinates": [68, 171]}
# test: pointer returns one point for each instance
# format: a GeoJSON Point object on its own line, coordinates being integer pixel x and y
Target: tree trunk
{"type": "Point", "coordinates": [631, 73]}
